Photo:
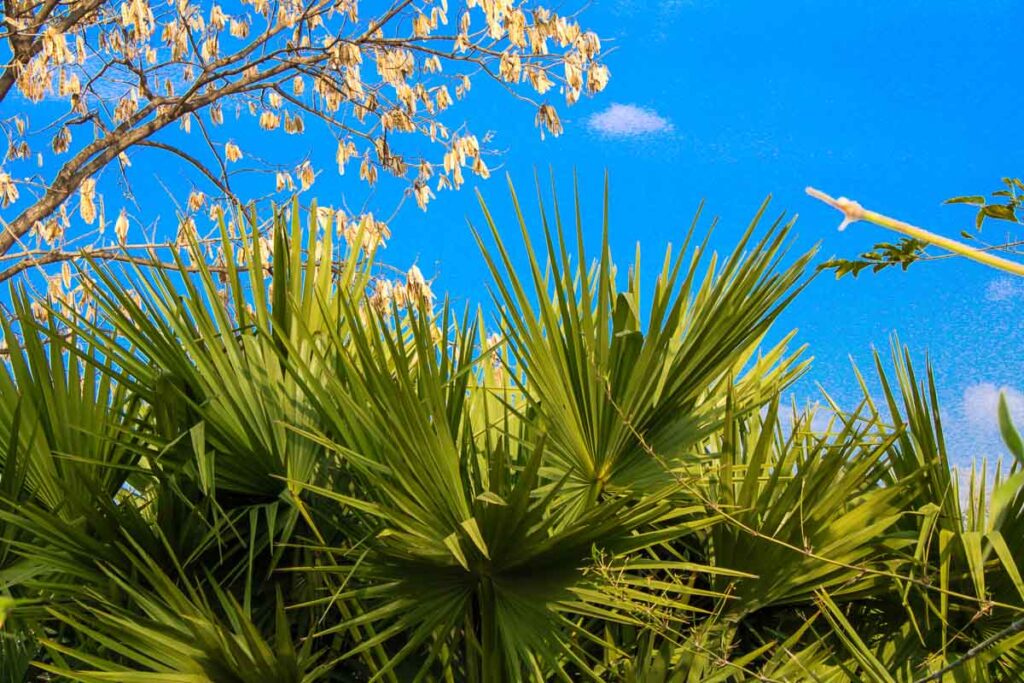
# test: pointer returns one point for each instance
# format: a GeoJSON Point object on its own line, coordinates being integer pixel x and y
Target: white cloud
{"type": "Point", "coordinates": [663, 7]}
{"type": "Point", "coordinates": [1003, 289]}
{"type": "Point", "coordinates": [981, 403]}
{"type": "Point", "coordinates": [628, 121]}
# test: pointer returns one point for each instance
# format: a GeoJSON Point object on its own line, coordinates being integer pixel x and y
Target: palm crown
{"type": "Point", "coordinates": [258, 471]}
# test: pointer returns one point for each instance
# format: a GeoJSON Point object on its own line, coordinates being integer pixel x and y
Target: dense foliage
{"type": "Point", "coordinates": [191, 91]}
{"type": "Point", "coordinates": [293, 470]}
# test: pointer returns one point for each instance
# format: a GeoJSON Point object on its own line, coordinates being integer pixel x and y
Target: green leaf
{"type": "Point", "coordinates": [451, 541]}
{"type": "Point", "coordinates": [472, 530]}
{"type": "Point", "coordinates": [492, 498]}
{"type": "Point", "coordinates": [1010, 435]}
{"type": "Point", "coordinates": [1006, 557]}
{"type": "Point", "coordinates": [975, 199]}
{"type": "Point", "coordinates": [1003, 212]}
{"type": "Point", "coordinates": [7, 606]}
{"type": "Point", "coordinates": [874, 670]}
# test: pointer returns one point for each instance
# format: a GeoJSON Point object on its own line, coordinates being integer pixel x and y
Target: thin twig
{"type": "Point", "coordinates": [1015, 627]}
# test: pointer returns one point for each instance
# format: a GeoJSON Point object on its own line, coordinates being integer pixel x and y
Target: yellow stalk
{"type": "Point", "coordinates": [853, 212]}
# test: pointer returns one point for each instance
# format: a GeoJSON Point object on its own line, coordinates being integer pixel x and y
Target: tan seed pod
{"type": "Point", "coordinates": [121, 227]}
{"type": "Point", "coordinates": [232, 152]}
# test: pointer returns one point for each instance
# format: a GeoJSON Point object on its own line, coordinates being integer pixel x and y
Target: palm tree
{"type": "Point", "coordinates": [280, 468]}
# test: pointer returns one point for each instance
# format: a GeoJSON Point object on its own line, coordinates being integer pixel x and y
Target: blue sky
{"type": "Point", "coordinates": [897, 104]}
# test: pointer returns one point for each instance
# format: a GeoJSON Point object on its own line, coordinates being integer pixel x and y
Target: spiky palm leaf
{"type": "Point", "coordinates": [245, 472]}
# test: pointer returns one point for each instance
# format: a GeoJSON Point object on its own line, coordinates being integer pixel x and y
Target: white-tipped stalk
{"type": "Point", "coordinates": [853, 212]}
